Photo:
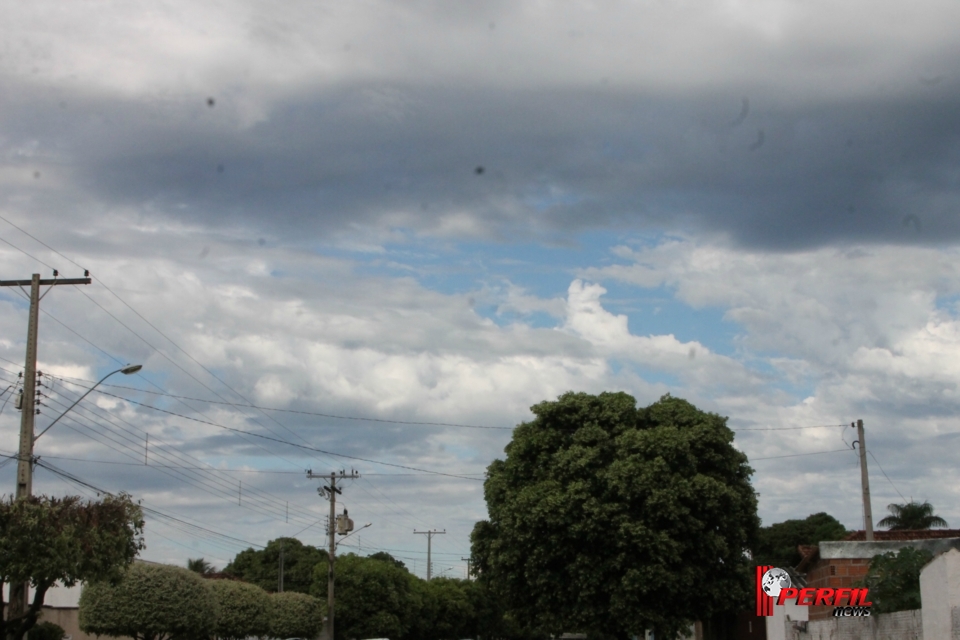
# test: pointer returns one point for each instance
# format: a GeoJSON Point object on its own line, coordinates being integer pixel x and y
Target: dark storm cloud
{"type": "Point", "coordinates": [769, 170]}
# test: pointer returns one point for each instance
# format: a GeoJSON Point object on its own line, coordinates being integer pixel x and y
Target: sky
{"type": "Point", "coordinates": [371, 235]}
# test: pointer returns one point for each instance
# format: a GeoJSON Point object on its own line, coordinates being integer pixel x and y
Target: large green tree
{"type": "Point", "coordinates": [150, 602]}
{"type": "Point", "coordinates": [375, 598]}
{"type": "Point", "coordinates": [911, 516]}
{"type": "Point", "coordinates": [777, 544]}
{"type": "Point", "coordinates": [46, 540]}
{"type": "Point", "coordinates": [262, 567]}
{"type": "Point", "coordinates": [609, 519]}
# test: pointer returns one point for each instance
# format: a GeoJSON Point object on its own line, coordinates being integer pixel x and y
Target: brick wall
{"type": "Point", "coordinates": [834, 573]}
{"type": "Point", "coordinates": [902, 625]}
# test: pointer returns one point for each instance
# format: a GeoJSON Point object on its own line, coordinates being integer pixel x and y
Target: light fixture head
{"type": "Point", "coordinates": [131, 368]}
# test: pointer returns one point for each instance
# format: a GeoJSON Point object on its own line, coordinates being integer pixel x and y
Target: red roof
{"type": "Point", "coordinates": [919, 534]}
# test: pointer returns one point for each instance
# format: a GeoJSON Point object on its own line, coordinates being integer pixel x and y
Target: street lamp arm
{"type": "Point", "coordinates": [127, 370]}
{"type": "Point", "coordinates": [353, 532]}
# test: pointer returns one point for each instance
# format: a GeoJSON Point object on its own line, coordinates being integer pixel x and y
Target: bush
{"type": "Point", "coordinates": [46, 631]}
{"type": "Point", "coordinates": [894, 579]}
{"type": "Point", "coordinates": [150, 602]}
{"type": "Point", "coordinates": [294, 615]}
{"type": "Point", "coordinates": [243, 609]}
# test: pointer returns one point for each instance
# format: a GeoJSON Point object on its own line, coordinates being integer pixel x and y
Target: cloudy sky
{"type": "Point", "coordinates": [433, 212]}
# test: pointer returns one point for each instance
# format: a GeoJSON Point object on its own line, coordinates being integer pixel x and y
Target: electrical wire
{"type": "Point", "coordinates": [286, 442]}
{"type": "Point", "coordinates": [886, 476]}
{"type": "Point", "coordinates": [293, 411]}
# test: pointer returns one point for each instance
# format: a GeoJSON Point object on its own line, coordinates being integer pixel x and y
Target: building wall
{"type": "Point", "coordinates": [783, 617]}
{"type": "Point", "coordinates": [834, 573]}
{"type": "Point", "coordinates": [902, 625]}
{"type": "Point", "coordinates": [940, 594]}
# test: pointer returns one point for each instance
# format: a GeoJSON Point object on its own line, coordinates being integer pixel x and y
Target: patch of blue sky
{"type": "Point", "coordinates": [949, 304]}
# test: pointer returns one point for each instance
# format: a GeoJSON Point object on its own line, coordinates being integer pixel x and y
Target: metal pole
{"type": "Point", "coordinates": [25, 457]}
{"type": "Point", "coordinates": [865, 481]}
{"type": "Point", "coordinates": [333, 551]}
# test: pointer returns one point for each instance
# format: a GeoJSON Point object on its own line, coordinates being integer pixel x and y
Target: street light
{"type": "Point", "coordinates": [127, 370]}
{"type": "Point", "coordinates": [352, 532]}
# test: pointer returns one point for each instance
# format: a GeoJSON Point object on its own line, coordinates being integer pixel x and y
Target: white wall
{"type": "Point", "coordinates": [940, 594]}
{"type": "Point", "coordinates": [57, 596]}
{"type": "Point", "coordinates": [783, 614]}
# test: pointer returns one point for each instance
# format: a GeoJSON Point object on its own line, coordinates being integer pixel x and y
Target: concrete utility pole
{"type": "Point", "coordinates": [330, 491]}
{"type": "Point", "coordinates": [469, 561]}
{"type": "Point", "coordinates": [865, 482]}
{"type": "Point", "coordinates": [430, 535]}
{"type": "Point", "coordinates": [18, 592]}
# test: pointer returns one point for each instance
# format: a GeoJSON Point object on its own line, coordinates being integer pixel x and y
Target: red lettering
{"type": "Point", "coordinates": [839, 595]}
{"type": "Point", "coordinates": [863, 598]}
{"type": "Point", "coordinates": [823, 597]}
{"type": "Point", "coordinates": [806, 597]}
{"type": "Point", "coordinates": [787, 594]}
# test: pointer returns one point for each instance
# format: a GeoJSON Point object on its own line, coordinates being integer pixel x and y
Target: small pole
{"type": "Point", "coordinates": [240, 493]}
{"type": "Point", "coordinates": [146, 450]}
{"type": "Point", "coordinates": [865, 482]}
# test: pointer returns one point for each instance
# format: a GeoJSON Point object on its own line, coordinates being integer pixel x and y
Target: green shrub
{"type": "Point", "coordinates": [46, 631]}
{"type": "Point", "coordinates": [294, 615]}
{"type": "Point", "coordinates": [243, 610]}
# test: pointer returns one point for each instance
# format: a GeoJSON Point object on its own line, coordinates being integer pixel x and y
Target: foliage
{"type": "Point", "coordinates": [262, 567]}
{"type": "Point", "coordinates": [201, 566]}
{"type": "Point", "coordinates": [609, 520]}
{"type": "Point", "coordinates": [894, 579]}
{"type": "Point", "coordinates": [373, 597]}
{"type": "Point", "coordinates": [150, 602]}
{"type": "Point", "coordinates": [447, 611]}
{"type": "Point", "coordinates": [44, 540]}
{"type": "Point", "coordinates": [386, 557]}
{"type": "Point", "coordinates": [243, 609]}
{"type": "Point", "coordinates": [294, 615]}
{"type": "Point", "coordinates": [911, 516]}
{"type": "Point", "coordinates": [46, 631]}
{"type": "Point", "coordinates": [777, 544]}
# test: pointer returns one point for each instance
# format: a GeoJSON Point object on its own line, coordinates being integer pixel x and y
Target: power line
{"type": "Point", "coordinates": [795, 455]}
{"type": "Point", "coordinates": [886, 476]}
{"type": "Point", "coordinates": [305, 413]}
{"type": "Point", "coordinates": [816, 426]}
{"type": "Point", "coordinates": [76, 480]}
{"type": "Point", "coordinates": [286, 442]}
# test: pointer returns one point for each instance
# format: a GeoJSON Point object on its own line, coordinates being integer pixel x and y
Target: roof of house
{"type": "Point", "coordinates": [915, 534]}
{"type": "Point", "coordinates": [810, 554]}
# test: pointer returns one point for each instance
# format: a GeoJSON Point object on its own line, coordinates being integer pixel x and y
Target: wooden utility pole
{"type": "Point", "coordinates": [865, 482]}
{"type": "Point", "coordinates": [430, 534]}
{"type": "Point", "coordinates": [469, 562]}
{"type": "Point", "coordinates": [330, 491]}
{"type": "Point", "coordinates": [18, 592]}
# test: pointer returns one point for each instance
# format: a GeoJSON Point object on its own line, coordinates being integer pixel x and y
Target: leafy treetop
{"type": "Point", "coordinates": [777, 544]}
{"type": "Point", "coordinates": [45, 540]}
{"type": "Point", "coordinates": [609, 519]}
{"type": "Point", "coordinates": [911, 516]}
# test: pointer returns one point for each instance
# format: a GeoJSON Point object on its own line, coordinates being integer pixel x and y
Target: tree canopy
{"type": "Point", "coordinates": [294, 615]}
{"type": "Point", "coordinates": [777, 544]}
{"type": "Point", "coordinates": [45, 540]}
{"type": "Point", "coordinates": [610, 520]}
{"type": "Point", "coordinates": [373, 597]}
{"type": "Point", "coordinates": [911, 516]}
{"type": "Point", "coordinates": [150, 602]}
{"type": "Point", "coordinates": [262, 567]}
{"type": "Point", "coordinates": [894, 579]}
{"type": "Point", "coordinates": [244, 610]}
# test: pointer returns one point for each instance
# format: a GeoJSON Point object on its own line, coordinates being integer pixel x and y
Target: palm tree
{"type": "Point", "coordinates": [911, 516]}
{"type": "Point", "coordinates": [201, 566]}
